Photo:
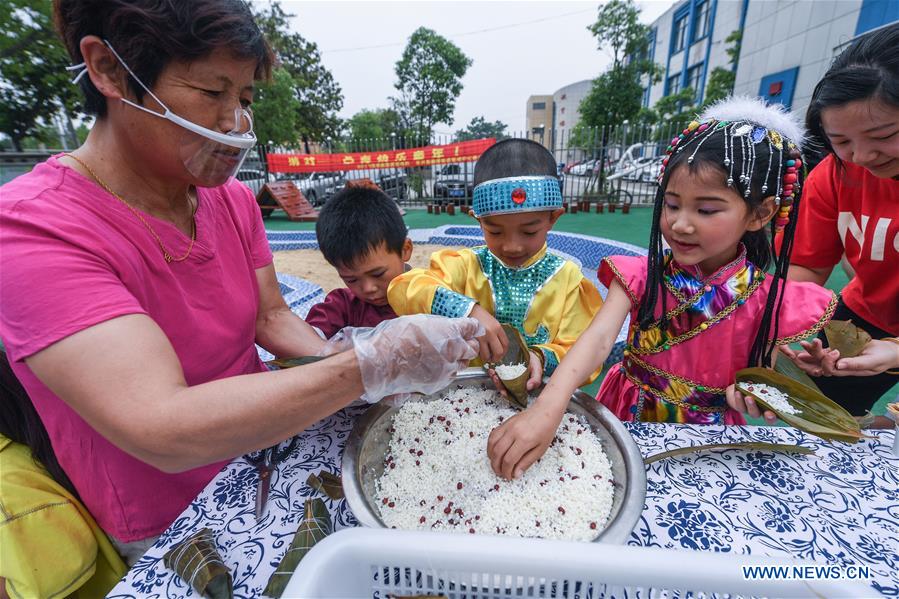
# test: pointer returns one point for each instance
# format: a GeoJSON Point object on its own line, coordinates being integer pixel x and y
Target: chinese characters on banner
{"type": "Point", "coordinates": [463, 151]}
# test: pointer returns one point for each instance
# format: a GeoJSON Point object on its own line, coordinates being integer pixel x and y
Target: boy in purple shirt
{"type": "Point", "coordinates": [362, 235]}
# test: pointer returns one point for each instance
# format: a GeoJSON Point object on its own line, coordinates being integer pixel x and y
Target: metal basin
{"type": "Point", "coordinates": [366, 448]}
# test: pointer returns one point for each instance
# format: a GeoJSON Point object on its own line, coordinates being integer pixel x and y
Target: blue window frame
{"type": "Point", "coordinates": [701, 20]}
{"type": "Point", "coordinates": [694, 79]}
{"type": "Point", "coordinates": [779, 87]}
{"type": "Point", "coordinates": [672, 86]}
{"type": "Point", "coordinates": [679, 33]}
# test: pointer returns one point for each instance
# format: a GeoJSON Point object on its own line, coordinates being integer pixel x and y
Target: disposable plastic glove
{"type": "Point", "coordinates": [409, 354]}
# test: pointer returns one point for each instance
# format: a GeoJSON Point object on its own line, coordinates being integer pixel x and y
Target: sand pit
{"type": "Point", "coordinates": [310, 265]}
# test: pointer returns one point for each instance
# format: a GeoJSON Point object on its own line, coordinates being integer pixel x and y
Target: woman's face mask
{"type": "Point", "coordinates": [208, 155]}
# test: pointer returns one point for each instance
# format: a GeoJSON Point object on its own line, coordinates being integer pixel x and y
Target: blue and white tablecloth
{"type": "Point", "coordinates": [840, 505]}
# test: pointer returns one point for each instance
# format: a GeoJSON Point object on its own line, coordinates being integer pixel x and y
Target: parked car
{"type": "Point", "coordinates": [454, 182]}
{"type": "Point", "coordinates": [316, 186]}
{"type": "Point", "coordinates": [253, 178]}
{"type": "Point", "coordinates": [394, 184]}
{"type": "Point", "coordinates": [584, 168]}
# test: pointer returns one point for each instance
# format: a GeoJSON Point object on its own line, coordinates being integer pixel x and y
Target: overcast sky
{"type": "Point", "coordinates": [532, 48]}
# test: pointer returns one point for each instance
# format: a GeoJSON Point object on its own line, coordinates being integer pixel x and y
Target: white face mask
{"type": "Point", "coordinates": [210, 156]}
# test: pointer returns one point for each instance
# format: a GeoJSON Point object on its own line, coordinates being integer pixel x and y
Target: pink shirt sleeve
{"type": "Point", "coordinates": [54, 283]}
{"type": "Point", "coordinates": [629, 271]}
{"type": "Point", "coordinates": [259, 248]}
{"type": "Point", "coordinates": [806, 308]}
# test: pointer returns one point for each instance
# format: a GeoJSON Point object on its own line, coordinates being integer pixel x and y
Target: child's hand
{"type": "Point", "coordinates": [522, 440]}
{"type": "Point", "coordinates": [494, 342]}
{"type": "Point", "coordinates": [745, 404]}
{"type": "Point", "coordinates": [816, 360]}
{"type": "Point", "coordinates": [534, 381]}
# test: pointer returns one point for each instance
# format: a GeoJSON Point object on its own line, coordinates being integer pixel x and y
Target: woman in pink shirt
{"type": "Point", "coordinates": [137, 276]}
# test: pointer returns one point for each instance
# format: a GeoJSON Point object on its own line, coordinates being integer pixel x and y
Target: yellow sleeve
{"type": "Point", "coordinates": [439, 289]}
{"type": "Point", "coordinates": [48, 552]}
{"type": "Point", "coordinates": [572, 315]}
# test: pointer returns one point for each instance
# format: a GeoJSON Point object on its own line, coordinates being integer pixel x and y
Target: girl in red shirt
{"type": "Point", "coordinates": [851, 206]}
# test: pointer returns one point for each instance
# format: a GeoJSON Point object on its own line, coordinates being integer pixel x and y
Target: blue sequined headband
{"type": "Point", "coordinates": [516, 194]}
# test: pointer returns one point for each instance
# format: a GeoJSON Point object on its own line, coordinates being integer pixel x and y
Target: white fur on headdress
{"type": "Point", "coordinates": [754, 110]}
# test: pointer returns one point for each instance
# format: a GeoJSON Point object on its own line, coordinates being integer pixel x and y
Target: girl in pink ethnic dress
{"type": "Point", "coordinates": [708, 306]}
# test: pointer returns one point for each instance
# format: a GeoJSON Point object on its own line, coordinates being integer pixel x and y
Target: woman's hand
{"type": "Point", "coordinates": [493, 342]}
{"type": "Point", "coordinates": [876, 357]}
{"type": "Point", "coordinates": [534, 380]}
{"type": "Point", "coordinates": [521, 440]}
{"type": "Point", "coordinates": [745, 404]}
{"type": "Point", "coordinates": [411, 354]}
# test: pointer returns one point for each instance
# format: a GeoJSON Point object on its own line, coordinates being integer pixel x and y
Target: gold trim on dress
{"type": "Point", "coordinates": [814, 329]}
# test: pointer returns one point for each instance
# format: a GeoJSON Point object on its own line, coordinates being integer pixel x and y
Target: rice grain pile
{"type": "Point", "coordinates": [510, 372]}
{"type": "Point", "coordinates": [437, 475]}
{"type": "Point", "coordinates": [773, 396]}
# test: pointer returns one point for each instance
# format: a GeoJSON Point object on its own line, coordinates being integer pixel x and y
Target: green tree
{"type": "Point", "coordinates": [34, 85]}
{"type": "Point", "coordinates": [429, 79]}
{"type": "Point", "coordinates": [277, 109]}
{"type": "Point", "coordinates": [721, 80]}
{"type": "Point", "coordinates": [375, 127]}
{"type": "Point", "coordinates": [318, 96]}
{"type": "Point", "coordinates": [617, 94]}
{"type": "Point", "coordinates": [479, 128]}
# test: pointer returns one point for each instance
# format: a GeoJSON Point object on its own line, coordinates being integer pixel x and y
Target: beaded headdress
{"type": "Point", "coordinates": [516, 194]}
{"type": "Point", "coordinates": [745, 123]}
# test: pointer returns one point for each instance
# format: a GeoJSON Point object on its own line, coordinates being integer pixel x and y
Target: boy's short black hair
{"type": "Point", "coordinates": [514, 158]}
{"type": "Point", "coordinates": [356, 221]}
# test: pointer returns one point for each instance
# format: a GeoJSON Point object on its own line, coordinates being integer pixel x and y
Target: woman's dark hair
{"type": "Point", "coordinates": [150, 34]}
{"type": "Point", "coordinates": [514, 158]}
{"type": "Point", "coordinates": [869, 68]}
{"type": "Point", "coordinates": [356, 221]}
{"type": "Point", "coordinates": [759, 244]}
{"type": "Point", "coordinates": [20, 422]}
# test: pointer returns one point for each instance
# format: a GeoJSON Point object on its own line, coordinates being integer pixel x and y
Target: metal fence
{"type": "Point", "coordinates": [616, 165]}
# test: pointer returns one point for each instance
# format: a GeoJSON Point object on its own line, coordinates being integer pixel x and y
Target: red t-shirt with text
{"type": "Point", "coordinates": [847, 209]}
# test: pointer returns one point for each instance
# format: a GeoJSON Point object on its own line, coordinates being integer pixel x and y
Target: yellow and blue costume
{"type": "Point", "coordinates": [547, 299]}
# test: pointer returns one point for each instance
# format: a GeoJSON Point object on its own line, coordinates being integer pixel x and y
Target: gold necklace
{"type": "Point", "coordinates": [165, 253]}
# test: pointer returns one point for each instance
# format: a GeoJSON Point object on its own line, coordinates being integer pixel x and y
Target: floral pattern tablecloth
{"type": "Point", "coordinates": [840, 505]}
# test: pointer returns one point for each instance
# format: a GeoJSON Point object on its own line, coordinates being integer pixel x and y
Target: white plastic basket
{"type": "Point", "coordinates": [360, 562]}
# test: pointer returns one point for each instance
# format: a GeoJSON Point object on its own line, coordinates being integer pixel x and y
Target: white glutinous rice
{"type": "Point", "coordinates": [508, 372]}
{"type": "Point", "coordinates": [437, 475]}
{"type": "Point", "coordinates": [772, 396]}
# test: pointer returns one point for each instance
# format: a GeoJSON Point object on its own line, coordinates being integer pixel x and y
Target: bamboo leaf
{"type": "Point", "coordinates": [316, 525]}
{"type": "Point", "coordinates": [817, 415]}
{"type": "Point", "coordinates": [747, 446]}
{"type": "Point", "coordinates": [197, 561]}
{"type": "Point", "coordinates": [786, 367]}
{"type": "Point", "coordinates": [283, 363]}
{"type": "Point", "coordinates": [327, 483]}
{"type": "Point", "coordinates": [517, 353]}
{"type": "Point", "coordinates": [846, 337]}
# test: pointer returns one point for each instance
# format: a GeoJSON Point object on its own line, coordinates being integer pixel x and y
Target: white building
{"type": "Point", "coordinates": [688, 42]}
{"type": "Point", "coordinates": [787, 45]}
{"type": "Point", "coordinates": [566, 106]}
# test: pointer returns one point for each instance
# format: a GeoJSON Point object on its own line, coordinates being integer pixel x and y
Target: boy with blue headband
{"type": "Point", "coordinates": [513, 279]}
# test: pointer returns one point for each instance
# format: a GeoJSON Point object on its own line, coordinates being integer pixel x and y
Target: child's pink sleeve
{"type": "Point", "coordinates": [806, 308]}
{"type": "Point", "coordinates": [629, 271]}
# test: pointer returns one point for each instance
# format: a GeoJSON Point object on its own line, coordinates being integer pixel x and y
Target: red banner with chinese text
{"type": "Point", "coordinates": [463, 151]}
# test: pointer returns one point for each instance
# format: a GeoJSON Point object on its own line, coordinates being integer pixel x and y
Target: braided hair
{"type": "Point", "coordinates": [746, 155]}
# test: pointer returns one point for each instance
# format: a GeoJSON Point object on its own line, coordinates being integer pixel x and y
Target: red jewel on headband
{"type": "Point", "coordinates": [519, 195]}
